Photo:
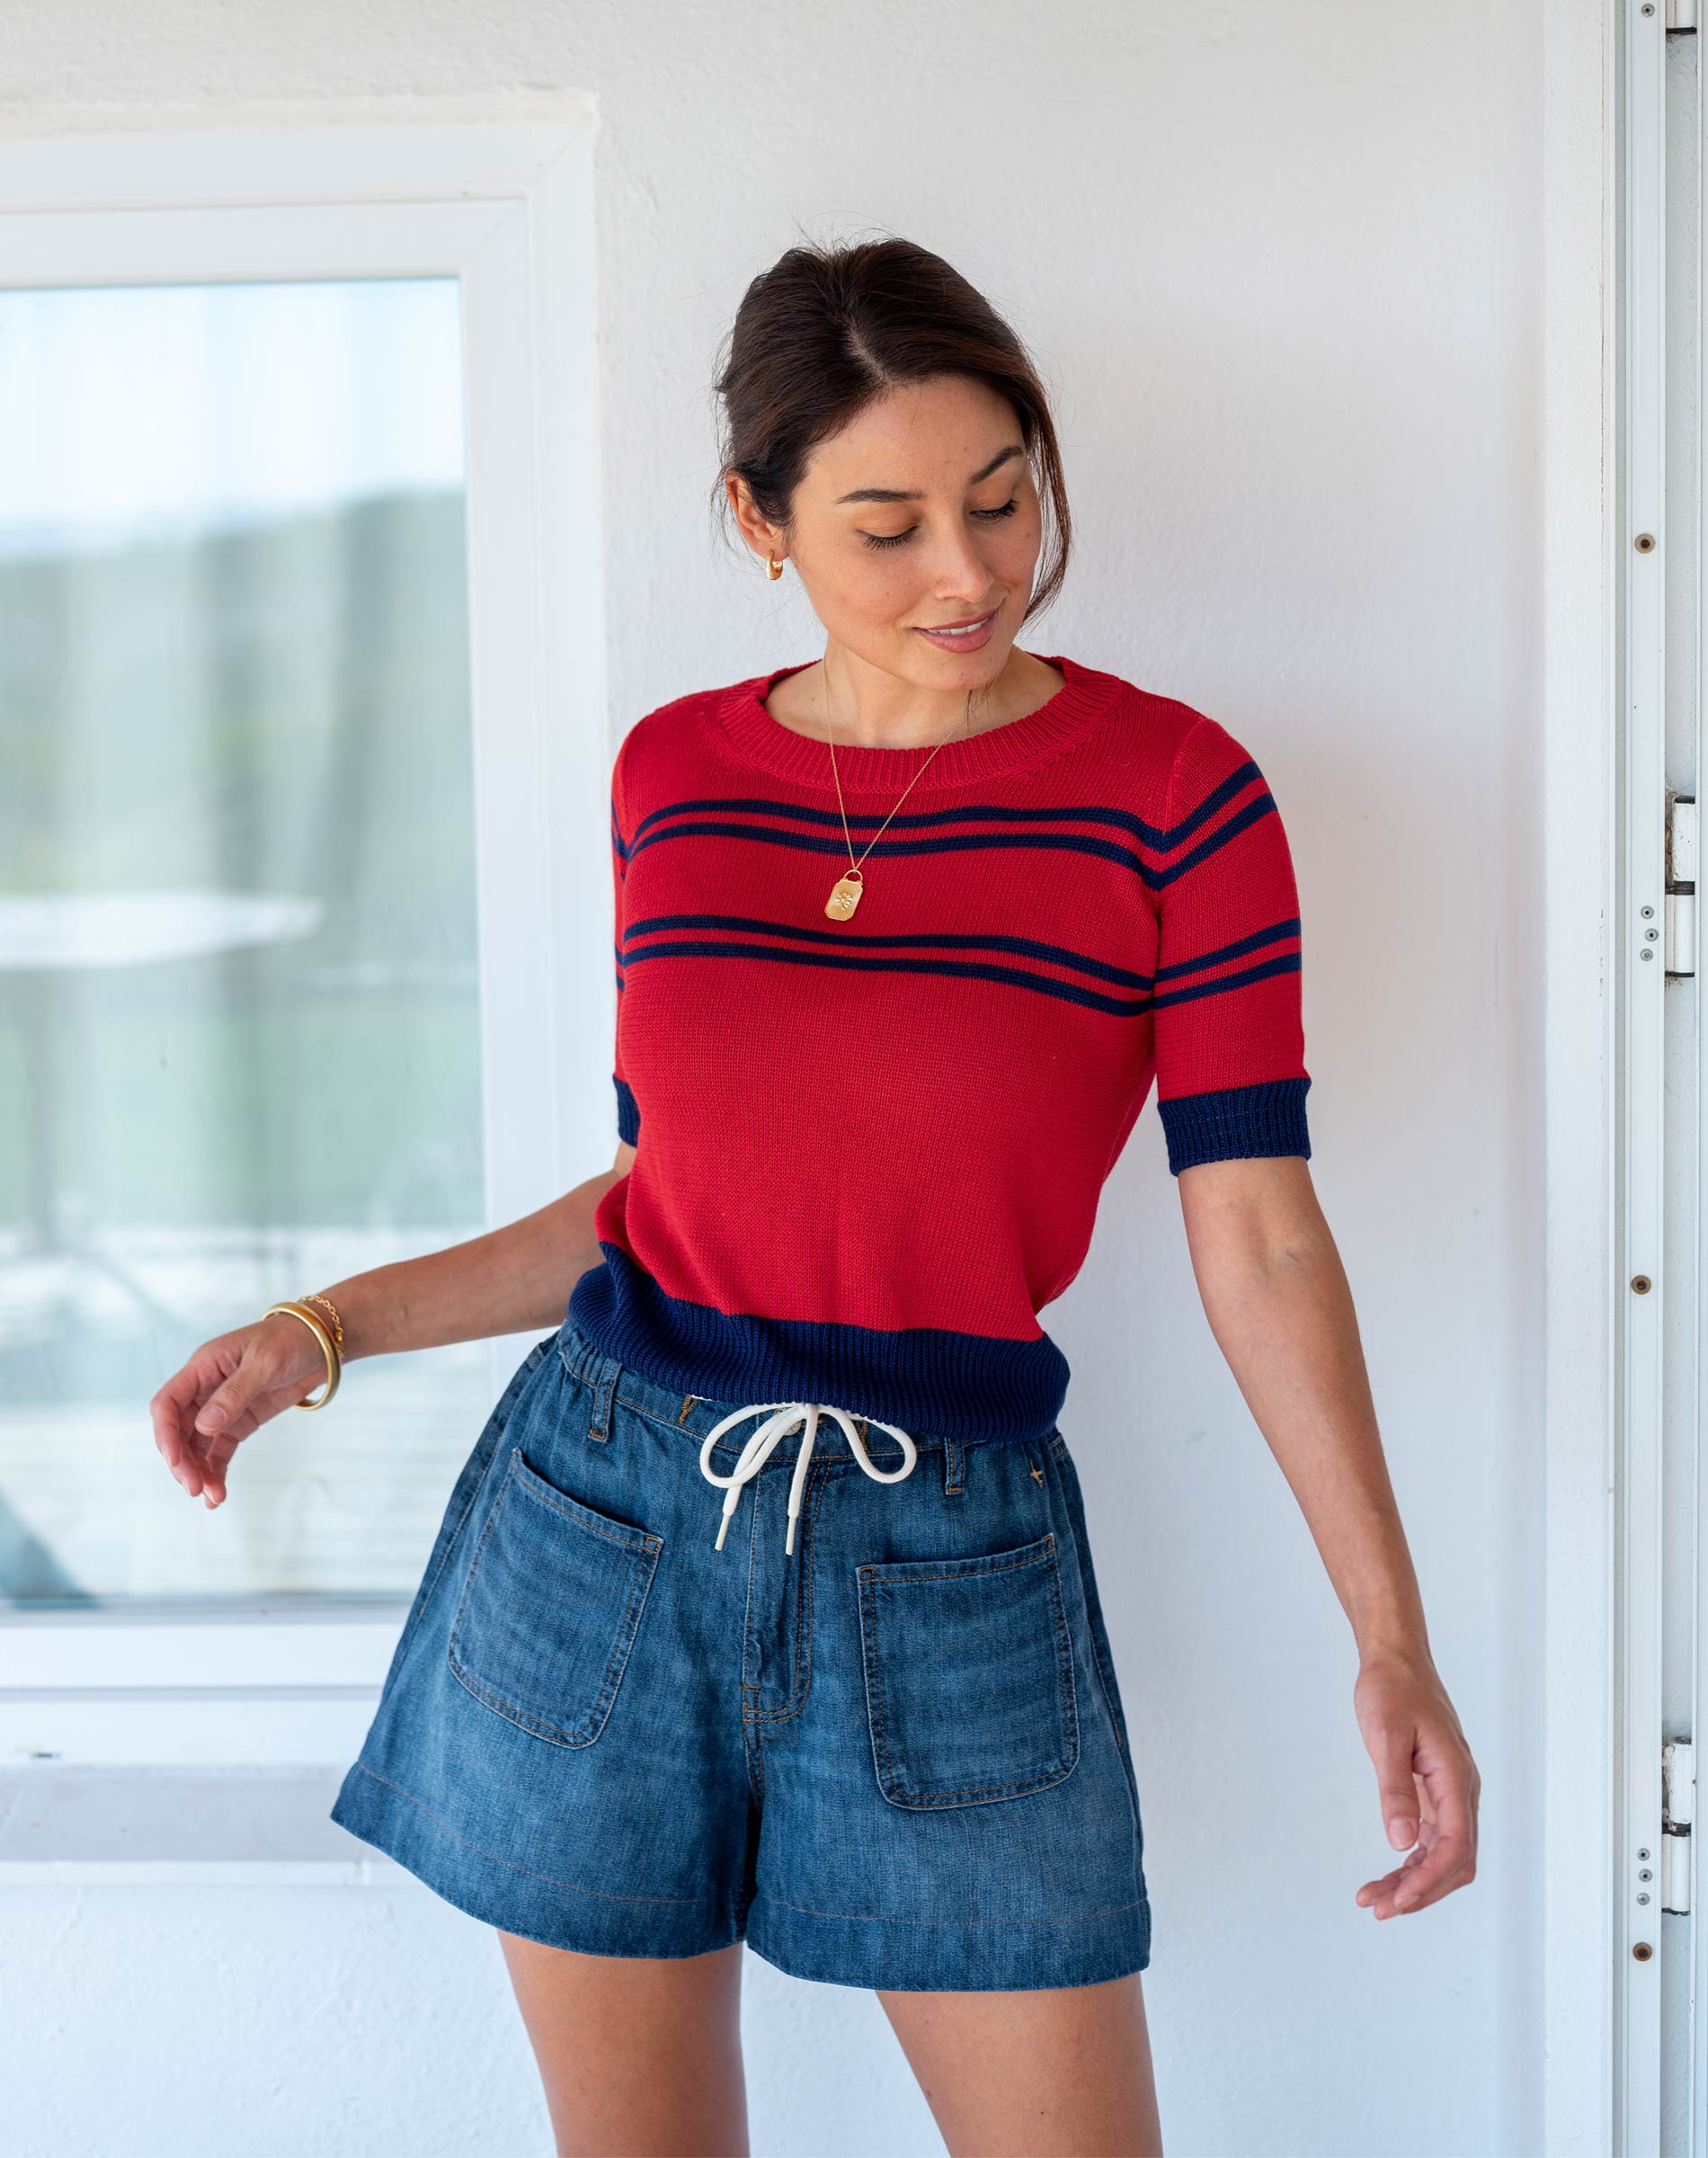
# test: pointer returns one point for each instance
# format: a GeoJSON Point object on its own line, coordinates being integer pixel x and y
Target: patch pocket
{"type": "Point", "coordinates": [550, 1607]}
{"type": "Point", "coordinates": [969, 1676]}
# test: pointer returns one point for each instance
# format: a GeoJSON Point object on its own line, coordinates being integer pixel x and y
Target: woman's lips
{"type": "Point", "coordinates": [961, 640]}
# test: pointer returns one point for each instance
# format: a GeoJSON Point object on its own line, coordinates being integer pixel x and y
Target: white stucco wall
{"type": "Point", "coordinates": [1284, 262]}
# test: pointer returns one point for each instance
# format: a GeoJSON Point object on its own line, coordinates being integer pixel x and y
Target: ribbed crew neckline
{"type": "Point", "coordinates": [1086, 696]}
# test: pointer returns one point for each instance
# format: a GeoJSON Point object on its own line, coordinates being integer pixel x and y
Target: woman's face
{"type": "Point", "coordinates": [921, 513]}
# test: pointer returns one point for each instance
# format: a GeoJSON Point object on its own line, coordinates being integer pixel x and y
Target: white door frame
{"type": "Point", "coordinates": [1571, 1937]}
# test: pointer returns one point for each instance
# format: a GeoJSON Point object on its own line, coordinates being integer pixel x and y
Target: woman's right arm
{"type": "Point", "coordinates": [509, 1280]}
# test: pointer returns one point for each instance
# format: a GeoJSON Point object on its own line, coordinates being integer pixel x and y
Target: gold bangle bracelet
{"type": "Point", "coordinates": [317, 1326]}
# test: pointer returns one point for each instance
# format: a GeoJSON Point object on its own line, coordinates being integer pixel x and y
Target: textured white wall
{"type": "Point", "coordinates": [1282, 261]}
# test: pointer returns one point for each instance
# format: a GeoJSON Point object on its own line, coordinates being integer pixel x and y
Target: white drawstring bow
{"type": "Point", "coordinates": [761, 1446]}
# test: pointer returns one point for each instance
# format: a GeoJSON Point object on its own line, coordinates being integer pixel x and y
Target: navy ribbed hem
{"type": "Point", "coordinates": [1236, 1121]}
{"type": "Point", "coordinates": [628, 1112]}
{"type": "Point", "coordinates": [930, 1381]}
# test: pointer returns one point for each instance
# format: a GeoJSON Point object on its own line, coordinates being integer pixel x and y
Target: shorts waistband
{"type": "Point", "coordinates": [695, 1414]}
{"type": "Point", "coordinates": [759, 1438]}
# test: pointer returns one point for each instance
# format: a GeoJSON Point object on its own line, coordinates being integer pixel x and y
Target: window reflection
{"type": "Point", "coordinates": [239, 1043]}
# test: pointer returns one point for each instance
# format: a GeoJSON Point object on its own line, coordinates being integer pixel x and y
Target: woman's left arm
{"type": "Point", "coordinates": [1276, 1299]}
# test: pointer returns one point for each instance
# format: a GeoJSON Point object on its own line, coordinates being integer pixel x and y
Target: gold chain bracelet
{"type": "Point", "coordinates": [317, 1327]}
{"type": "Point", "coordinates": [326, 1303]}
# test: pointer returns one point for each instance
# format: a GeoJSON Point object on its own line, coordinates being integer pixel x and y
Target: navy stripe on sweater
{"type": "Point", "coordinates": [836, 942]}
{"type": "Point", "coordinates": [1160, 839]}
{"type": "Point", "coordinates": [1077, 843]}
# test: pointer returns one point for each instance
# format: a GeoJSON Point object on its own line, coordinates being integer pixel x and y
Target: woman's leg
{"type": "Point", "coordinates": [638, 2055]}
{"type": "Point", "coordinates": [1061, 2073]}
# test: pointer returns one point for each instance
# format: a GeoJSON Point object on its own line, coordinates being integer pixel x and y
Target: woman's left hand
{"type": "Point", "coordinates": [1428, 1781]}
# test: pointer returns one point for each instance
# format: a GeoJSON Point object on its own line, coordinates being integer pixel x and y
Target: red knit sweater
{"type": "Point", "coordinates": [869, 1151]}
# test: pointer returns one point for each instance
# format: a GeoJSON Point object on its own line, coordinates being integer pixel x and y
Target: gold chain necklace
{"type": "Point", "coordinates": [845, 895]}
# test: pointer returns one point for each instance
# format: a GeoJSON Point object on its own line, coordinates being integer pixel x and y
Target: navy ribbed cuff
{"type": "Point", "coordinates": [1236, 1121]}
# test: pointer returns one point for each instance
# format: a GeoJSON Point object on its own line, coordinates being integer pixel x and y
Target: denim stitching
{"type": "Point", "coordinates": [1068, 1693]}
{"type": "Point", "coordinates": [594, 1722]}
{"type": "Point", "coordinates": [1107, 1684]}
{"type": "Point", "coordinates": [879, 1917]}
{"type": "Point", "coordinates": [804, 1628]}
{"type": "Point", "coordinates": [604, 1393]}
{"type": "Point", "coordinates": [1025, 1787]}
{"type": "Point", "coordinates": [749, 1686]}
{"type": "Point", "coordinates": [533, 1484]}
{"type": "Point", "coordinates": [643, 1567]}
{"type": "Point", "coordinates": [973, 1569]}
{"type": "Point", "coordinates": [762, 1896]}
{"type": "Point", "coordinates": [817, 1482]}
{"type": "Point", "coordinates": [607, 1896]}
{"type": "Point", "coordinates": [755, 1753]}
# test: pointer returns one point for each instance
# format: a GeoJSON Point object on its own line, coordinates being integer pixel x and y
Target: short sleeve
{"type": "Point", "coordinates": [627, 1109]}
{"type": "Point", "coordinates": [1229, 1035]}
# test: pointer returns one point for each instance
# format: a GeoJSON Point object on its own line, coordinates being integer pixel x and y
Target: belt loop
{"type": "Point", "coordinates": [604, 1386]}
{"type": "Point", "coordinates": [953, 1461]}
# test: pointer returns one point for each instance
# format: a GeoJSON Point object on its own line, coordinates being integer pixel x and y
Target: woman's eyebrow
{"type": "Point", "coordinates": [915, 494]}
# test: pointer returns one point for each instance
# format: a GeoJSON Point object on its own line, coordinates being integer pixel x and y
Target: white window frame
{"type": "Point", "coordinates": [504, 205]}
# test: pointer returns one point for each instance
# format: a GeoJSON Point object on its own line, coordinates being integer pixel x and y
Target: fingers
{"type": "Point", "coordinates": [1449, 1866]}
{"type": "Point", "coordinates": [207, 1458]}
{"type": "Point", "coordinates": [200, 1417]}
{"type": "Point", "coordinates": [221, 1406]}
{"type": "Point", "coordinates": [168, 1412]}
{"type": "Point", "coordinates": [1399, 1800]}
{"type": "Point", "coordinates": [1446, 1771]}
{"type": "Point", "coordinates": [218, 1457]}
{"type": "Point", "coordinates": [1425, 1875]}
{"type": "Point", "coordinates": [176, 1439]}
{"type": "Point", "coordinates": [1427, 1782]}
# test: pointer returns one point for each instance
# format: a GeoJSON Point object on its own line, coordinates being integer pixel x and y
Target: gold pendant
{"type": "Point", "coordinates": [843, 899]}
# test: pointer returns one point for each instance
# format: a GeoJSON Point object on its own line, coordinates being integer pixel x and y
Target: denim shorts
{"type": "Point", "coordinates": [893, 1757]}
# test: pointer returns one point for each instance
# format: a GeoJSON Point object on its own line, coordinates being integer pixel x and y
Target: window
{"type": "Point", "coordinates": [303, 885]}
{"type": "Point", "coordinates": [237, 976]}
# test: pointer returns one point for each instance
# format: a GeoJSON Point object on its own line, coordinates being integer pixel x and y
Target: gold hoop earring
{"type": "Point", "coordinates": [775, 567]}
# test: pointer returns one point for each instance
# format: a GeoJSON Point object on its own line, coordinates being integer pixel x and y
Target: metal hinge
{"type": "Point", "coordinates": [1677, 1812]}
{"type": "Point", "coordinates": [1681, 14]}
{"type": "Point", "coordinates": [1681, 885]}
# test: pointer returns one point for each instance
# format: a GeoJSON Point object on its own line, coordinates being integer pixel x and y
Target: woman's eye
{"type": "Point", "coordinates": [896, 538]}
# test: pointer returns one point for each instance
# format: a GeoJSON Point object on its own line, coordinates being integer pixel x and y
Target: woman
{"type": "Point", "coordinates": [870, 1723]}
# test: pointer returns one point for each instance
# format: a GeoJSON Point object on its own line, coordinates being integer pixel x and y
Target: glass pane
{"type": "Point", "coordinates": [239, 1040]}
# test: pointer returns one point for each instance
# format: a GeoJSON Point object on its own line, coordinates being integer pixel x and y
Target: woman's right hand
{"type": "Point", "coordinates": [230, 1388]}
